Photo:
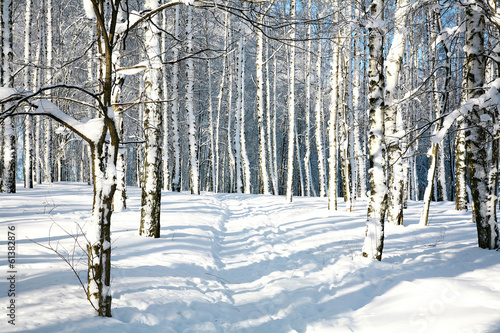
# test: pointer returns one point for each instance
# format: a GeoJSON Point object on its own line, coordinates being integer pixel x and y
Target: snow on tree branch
{"type": "Point", "coordinates": [491, 98]}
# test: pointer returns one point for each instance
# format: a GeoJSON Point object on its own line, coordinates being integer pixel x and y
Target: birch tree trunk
{"type": "Point", "coordinates": [9, 155]}
{"type": "Point", "coordinates": [440, 96]}
{"type": "Point", "coordinates": [193, 146]}
{"type": "Point", "coordinates": [120, 197]}
{"type": "Point", "coordinates": [460, 167]}
{"type": "Point", "coordinates": [259, 62]}
{"type": "Point", "coordinates": [166, 132]}
{"type": "Point", "coordinates": [270, 141]}
{"type": "Point", "coordinates": [291, 106]}
{"type": "Point", "coordinates": [176, 172]}
{"type": "Point", "coordinates": [393, 134]}
{"type": "Point", "coordinates": [479, 156]}
{"type": "Point", "coordinates": [377, 203]}
{"type": "Point", "coordinates": [232, 158]}
{"type": "Point", "coordinates": [319, 119]}
{"type": "Point", "coordinates": [307, 156]}
{"type": "Point", "coordinates": [48, 149]}
{"type": "Point", "coordinates": [332, 125]}
{"type": "Point", "coordinates": [219, 103]}
{"type": "Point", "coordinates": [28, 121]}
{"type": "Point", "coordinates": [151, 189]}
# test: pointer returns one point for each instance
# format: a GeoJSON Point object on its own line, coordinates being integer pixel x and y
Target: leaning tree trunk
{"type": "Point", "coordinates": [377, 203]}
{"type": "Point", "coordinates": [478, 141]}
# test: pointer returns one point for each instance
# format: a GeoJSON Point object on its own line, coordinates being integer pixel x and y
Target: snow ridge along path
{"type": "Point", "coordinates": [250, 263]}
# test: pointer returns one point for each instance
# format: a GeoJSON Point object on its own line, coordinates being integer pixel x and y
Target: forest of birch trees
{"type": "Point", "coordinates": [378, 100]}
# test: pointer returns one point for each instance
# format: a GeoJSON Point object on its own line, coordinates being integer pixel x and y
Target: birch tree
{"type": "Point", "coordinates": [393, 118]}
{"type": "Point", "coordinates": [291, 105]}
{"type": "Point", "coordinates": [28, 121]}
{"type": "Point", "coordinates": [259, 62]}
{"type": "Point", "coordinates": [481, 160]}
{"type": "Point", "coordinates": [193, 146]}
{"type": "Point", "coordinates": [9, 155]}
{"type": "Point", "coordinates": [377, 202]}
{"type": "Point", "coordinates": [151, 189]}
{"type": "Point", "coordinates": [176, 171]}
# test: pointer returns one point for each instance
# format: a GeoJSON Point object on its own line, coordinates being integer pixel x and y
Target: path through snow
{"type": "Point", "coordinates": [251, 263]}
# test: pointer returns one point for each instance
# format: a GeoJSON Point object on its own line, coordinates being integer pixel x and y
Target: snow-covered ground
{"type": "Point", "coordinates": [248, 263]}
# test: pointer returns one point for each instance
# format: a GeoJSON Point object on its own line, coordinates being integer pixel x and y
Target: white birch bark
{"type": "Point", "coordinates": [332, 125]}
{"type": "Point", "coordinates": [291, 106]}
{"type": "Point", "coordinates": [377, 203]}
{"type": "Point", "coordinates": [151, 189]}
{"type": "Point", "coordinates": [319, 118]}
{"type": "Point", "coordinates": [230, 148]}
{"type": "Point", "coordinates": [48, 158]}
{"type": "Point", "coordinates": [270, 142]}
{"type": "Point", "coordinates": [307, 143]}
{"type": "Point", "coordinates": [28, 121]}
{"type": "Point", "coordinates": [219, 103]}
{"type": "Point", "coordinates": [480, 160]}
{"type": "Point", "coordinates": [275, 149]}
{"type": "Point", "coordinates": [120, 196]}
{"type": "Point", "coordinates": [211, 129]}
{"type": "Point", "coordinates": [166, 132]}
{"type": "Point", "coordinates": [176, 172]}
{"type": "Point", "coordinates": [8, 183]}
{"type": "Point", "coordinates": [193, 146]}
{"type": "Point", "coordinates": [259, 62]}
{"type": "Point", "coordinates": [393, 135]}
{"type": "Point", "coordinates": [238, 124]}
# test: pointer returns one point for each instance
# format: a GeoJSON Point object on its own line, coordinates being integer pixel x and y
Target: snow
{"type": "Point", "coordinates": [250, 263]}
{"type": "Point", "coordinates": [89, 9]}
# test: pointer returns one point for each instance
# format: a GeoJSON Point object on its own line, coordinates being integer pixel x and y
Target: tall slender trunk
{"type": "Point", "coordinates": [219, 103]}
{"type": "Point", "coordinates": [120, 197]}
{"type": "Point", "coordinates": [232, 159]}
{"type": "Point", "coordinates": [48, 158]}
{"type": "Point", "coordinates": [176, 172]}
{"type": "Point", "coordinates": [8, 184]}
{"type": "Point", "coordinates": [153, 123]}
{"type": "Point", "coordinates": [332, 125]}
{"type": "Point", "coordinates": [270, 142]}
{"type": "Point", "coordinates": [307, 143]}
{"type": "Point", "coordinates": [319, 118]}
{"type": "Point", "coordinates": [291, 106]}
{"type": "Point", "coordinates": [28, 121]}
{"type": "Point", "coordinates": [393, 134]}
{"type": "Point", "coordinates": [377, 203]}
{"type": "Point", "coordinates": [275, 145]}
{"type": "Point", "coordinates": [259, 62]}
{"type": "Point", "coordinates": [166, 123]}
{"type": "Point", "coordinates": [193, 145]}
